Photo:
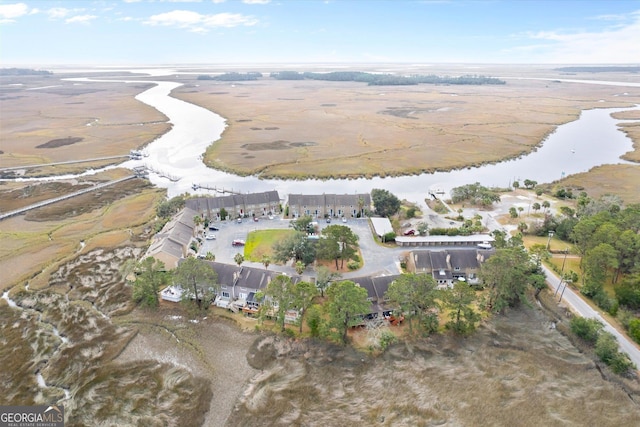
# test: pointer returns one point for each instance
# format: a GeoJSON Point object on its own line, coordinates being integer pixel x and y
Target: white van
{"type": "Point", "coordinates": [484, 245]}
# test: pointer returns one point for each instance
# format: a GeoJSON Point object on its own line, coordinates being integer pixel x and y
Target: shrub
{"type": "Point", "coordinates": [386, 339]}
{"type": "Point", "coordinates": [314, 319]}
{"type": "Point", "coordinates": [353, 265]}
{"type": "Point", "coordinates": [389, 237]}
{"type": "Point", "coordinates": [607, 351]}
{"type": "Point", "coordinates": [587, 329]}
{"type": "Point", "coordinates": [634, 330]}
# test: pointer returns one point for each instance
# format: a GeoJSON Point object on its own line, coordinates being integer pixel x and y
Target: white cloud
{"type": "Point", "coordinates": [199, 23]}
{"type": "Point", "coordinates": [9, 12]}
{"type": "Point", "coordinates": [62, 12]}
{"type": "Point", "coordinates": [615, 44]}
{"type": "Point", "coordinates": [256, 1]}
{"type": "Point", "coordinates": [81, 19]}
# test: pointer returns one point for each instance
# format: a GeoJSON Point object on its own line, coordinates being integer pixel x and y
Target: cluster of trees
{"type": "Point", "coordinates": [338, 243]}
{"type": "Point", "coordinates": [606, 346]}
{"type": "Point", "coordinates": [474, 194]}
{"type": "Point", "coordinates": [528, 184]}
{"type": "Point", "coordinates": [414, 295]}
{"type": "Point", "coordinates": [385, 203]}
{"type": "Point", "coordinates": [606, 236]}
{"type": "Point", "coordinates": [508, 273]}
{"type": "Point", "coordinates": [199, 282]}
{"type": "Point", "coordinates": [232, 77]}
{"type": "Point", "coordinates": [167, 209]}
{"type": "Point", "coordinates": [24, 72]}
{"type": "Point", "coordinates": [387, 79]}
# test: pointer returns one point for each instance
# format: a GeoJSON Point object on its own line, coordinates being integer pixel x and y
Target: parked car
{"type": "Point", "coordinates": [213, 228]}
{"type": "Point", "coordinates": [328, 220]}
{"type": "Point", "coordinates": [237, 242]}
{"type": "Point", "coordinates": [239, 220]}
{"type": "Point", "coordinates": [411, 232]}
{"type": "Point", "coordinates": [255, 219]}
{"type": "Point", "coordinates": [270, 216]}
{"type": "Point", "coordinates": [211, 236]}
{"type": "Point", "coordinates": [344, 219]}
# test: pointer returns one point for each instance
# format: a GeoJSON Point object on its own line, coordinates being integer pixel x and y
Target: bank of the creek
{"type": "Point", "coordinates": [175, 158]}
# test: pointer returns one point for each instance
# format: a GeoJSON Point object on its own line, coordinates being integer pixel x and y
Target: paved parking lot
{"type": "Point", "coordinates": [378, 260]}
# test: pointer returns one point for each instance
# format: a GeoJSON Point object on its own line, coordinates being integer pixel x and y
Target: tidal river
{"type": "Point", "coordinates": [594, 139]}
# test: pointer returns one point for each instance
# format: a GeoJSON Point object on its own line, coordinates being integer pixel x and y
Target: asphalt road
{"type": "Point", "coordinates": [575, 301]}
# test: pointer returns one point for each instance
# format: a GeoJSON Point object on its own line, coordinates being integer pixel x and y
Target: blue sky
{"type": "Point", "coordinates": [130, 32]}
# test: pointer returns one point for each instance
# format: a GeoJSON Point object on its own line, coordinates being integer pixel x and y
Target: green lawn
{"type": "Point", "coordinates": [260, 242]}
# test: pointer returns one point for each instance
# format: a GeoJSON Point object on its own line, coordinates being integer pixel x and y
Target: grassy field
{"type": "Point", "coordinates": [260, 243]}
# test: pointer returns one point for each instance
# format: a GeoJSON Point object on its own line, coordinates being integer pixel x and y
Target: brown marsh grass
{"type": "Point", "coordinates": [106, 116]}
{"type": "Point", "coordinates": [515, 371]}
{"type": "Point", "coordinates": [346, 129]}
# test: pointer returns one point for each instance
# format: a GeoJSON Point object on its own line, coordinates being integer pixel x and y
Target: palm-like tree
{"type": "Point", "coordinates": [238, 258]}
{"type": "Point", "coordinates": [266, 261]}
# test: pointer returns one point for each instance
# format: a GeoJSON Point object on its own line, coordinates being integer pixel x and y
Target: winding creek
{"type": "Point", "coordinates": [175, 157]}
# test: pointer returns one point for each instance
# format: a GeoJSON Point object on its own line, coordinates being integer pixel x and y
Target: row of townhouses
{"type": "Point", "coordinates": [237, 205]}
{"type": "Point", "coordinates": [269, 203]}
{"type": "Point", "coordinates": [329, 205]}
{"type": "Point", "coordinates": [241, 283]}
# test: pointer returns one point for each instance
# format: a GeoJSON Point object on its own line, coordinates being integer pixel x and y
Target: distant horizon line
{"type": "Point", "coordinates": [316, 63]}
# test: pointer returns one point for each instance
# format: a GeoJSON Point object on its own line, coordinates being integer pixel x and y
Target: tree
{"type": "Point", "coordinates": [507, 274]}
{"type": "Point", "coordinates": [301, 224]}
{"type": "Point", "coordinates": [596, 263]}
{"type": "Point", "coordinates": [170, 207]}
{"type": "Point", "coordinates": [238, 258]}
{"type": "Point", "coordinates": [457, 299]}
{"type": "Point", "coordinates": [197, 220]}
{"type": "Point", "coordinates": [528, 183]}
{"type": "Point", "coordinates": [423, 228]}
{"type": "Point", "coordinates": [150, 278]}
{"type": "Point", "coordinates": [346, 303]}
{"type": "Point", "coordinates": [198, 281]}
{"type": "Point", "coordinates": [295, 246]}
{"type": "Point", "coordinates": [303, 295]}
{"type": "Point", "coordinates": [546, 205]}
{"type": "Point", "coordinates": [324, 277]}
{"type": "Point", "coordinates": [299, 267]}
{"type": "Point", "coordinates": [345, 240]}
{"type": "Point", "coordinates": [280, 298]}
{"type": "Point", "coordinates": [266, 260]}
{"type": "Point", "coordinates": [223, 214]}
{"type": "Point", "coordinates": [414, 295]}
{"type": "Point", "coordinates": [516, 184]}
{"type": "Point", "coordinates": [522, 227]}
{"type": "Point", "coordinates": [535, 207]}
{"type": "Point", "coordinates": [385, 203]}
{"type": "Point", "coordinates": [328, 249]}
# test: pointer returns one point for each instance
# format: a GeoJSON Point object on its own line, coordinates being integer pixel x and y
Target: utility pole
{"type": "Point", "coordinates": [549, 239]}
